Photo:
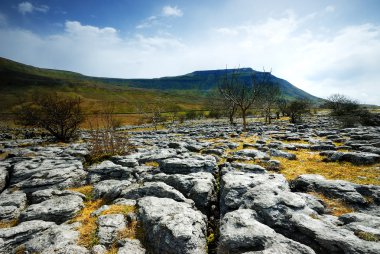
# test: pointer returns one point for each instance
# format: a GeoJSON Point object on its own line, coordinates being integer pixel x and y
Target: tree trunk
{"type": "Point", "coordinates": [243, 113]}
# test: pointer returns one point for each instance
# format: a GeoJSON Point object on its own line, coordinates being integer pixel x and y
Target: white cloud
{"type": "Point", "coordinates": [171, 11]}
{"type": "Point", "coordinates": [330, 8]}
{"type": "Point", "coordinates": [27, 7]}
{"type": "Point", "coordinates": [321, 64]}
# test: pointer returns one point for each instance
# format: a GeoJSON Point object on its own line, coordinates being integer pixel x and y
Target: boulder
{"type": "Point", "coordinates": [188, 165]}
{"type": "Point", "coordinates": [356, 158]}
{"type": "Point", "coordinates": [240, 232]}
{"type": "Point", "coordinates": [361, 222]}
{"type": "Point", "coordinates": [172, 227]}
{"type": "Point", "coordinates": [57, 209]}
{"type": "Point", "coordinates": [109, 226]}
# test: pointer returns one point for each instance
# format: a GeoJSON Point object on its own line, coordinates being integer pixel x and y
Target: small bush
{"type": "Point", "coordinates": [59, 115]}
{"type": "Point", "coordinates": [105, 141]}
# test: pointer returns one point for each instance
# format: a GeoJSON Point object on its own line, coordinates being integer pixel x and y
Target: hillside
{"type": "Point", "coordinates": [189, 91]}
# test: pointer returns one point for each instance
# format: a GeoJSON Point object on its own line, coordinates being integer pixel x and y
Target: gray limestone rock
{"type": "Point", "coordinates": [278, 153]}
{"type": "Point", "coordinates": [131, 246]}
{"type": "Point", "coordinates": [200, 187]}
{"type": "Point", "coordinates": [4, 176]}
{"type": "Point", "coordinates": [332, 188]}
{"type": "Point", "coordinates": [156, 189]}
{"type": "Point", "coordinates": [35, 174]}
{"type": "Point", "coordinates": [172, 227]}
{"type": "Point", "coordinates": [240, 232]}
{"type": "Point", "coordinates": [11, 204]}
{"type": "Point", "coordinates": [104, 187]}
{"type": "Point", "coordinates": [43, 195]}
{"type": "Point", "coordinates": [252, 153]}
{"type": "Point", "coordinates": [57, 209]}
{"type": "Point", "coordinates": [188, 165]}
{"type": "Point", "coordinates": [109, 226]}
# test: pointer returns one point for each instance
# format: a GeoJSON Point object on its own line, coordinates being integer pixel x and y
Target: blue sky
{"type": "Point", "coordinates": [323, 47]}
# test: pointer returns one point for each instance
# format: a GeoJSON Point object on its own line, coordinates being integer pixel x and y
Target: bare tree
{"type": "Point", "coordinates": [242, 92]}
{"type": "Point", "coordinates": [269, 96]}
{"type": "Point", "coordinates": [219, 106]}
{"type": "Point", "coordinates": [59, 115]}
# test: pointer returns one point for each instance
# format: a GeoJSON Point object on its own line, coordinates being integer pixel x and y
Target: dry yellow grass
{"type": "Point", "coordinates": [152, 164]}
{"type": "Point", "coordinates": [85, 190]}
{"type": "Point", "coordinates": [8, 224]}
{"type": "Point", "coordinates": [311, 163]}
{"type": "Point", "coordinates": [336, 206]}
{"type": "Point", "coordinates": [87, 231]}
{"type": "Point", "coordinates": [123, 209]}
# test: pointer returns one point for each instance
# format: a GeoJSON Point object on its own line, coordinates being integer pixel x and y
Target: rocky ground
{"type": "Point", "coordinates": [201, 188]}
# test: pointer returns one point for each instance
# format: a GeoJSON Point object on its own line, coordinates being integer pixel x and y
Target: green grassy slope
{"type": "Point", "coordinates": [18, 81]}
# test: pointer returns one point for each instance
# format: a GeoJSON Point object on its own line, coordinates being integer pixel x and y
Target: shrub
{"type": "Point", "coordinates": [105, 140]}
{"type": "Point", "coordinates": [59, 115]}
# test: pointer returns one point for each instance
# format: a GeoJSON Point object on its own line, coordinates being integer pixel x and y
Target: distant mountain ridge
{"type": "Point", "coordinates": [189, 90]}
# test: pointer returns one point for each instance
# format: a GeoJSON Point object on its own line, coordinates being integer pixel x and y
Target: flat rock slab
{"type": "Point", "coordinates": [279, 153]}
{"type": "Point", "coordinates": [240, 232]}
{"type": "Point", "coordinates": [172, 227]}
{"type": "Point", "coordinates": [252, 153]}
{"type": "Point", "coordinates": [105, 187]}
{"type": "Point", "coordinates": [57, 209]}
{"type": "Point", "coordinates": [4, 175]}
{"type": "Point", "coordinates": [188, 165]}
{"type": "Point", "coordinates": [332, 188]}
{"type": "Point", "coordinates": [41, 173]}
{"type": "Point", "coordinates": [353, 157]}
{"type": "Point", "coordinates": [156, 189]}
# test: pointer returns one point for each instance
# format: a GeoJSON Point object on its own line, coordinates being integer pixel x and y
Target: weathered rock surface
{"type": "Point", "coordinates": [4, 175]}
{"type": "Point", "coordinates": [104, 187]}
{"type": "Point", "coordinates": [242, 233]}
{"type": "Point", "coordinates": [200, 187]}
{"type": "Point", "coordinates": [279, 153]}
{"type": "Point", "coordinates": [252, 153]}
{"type": "Point", "coordinates": [172, 227]}
{"type": "Point", "coordinates": [353, 157]}
{"type": "Point", "coordinates": [57, 209]}
{"type": "Point", "coordinates": [43, 195]}
{"type": "Point", "coordinates": [130, 246]}
{"type": "Point", "coordinates": [188, 165]}
{"type": "Point", "coordinates": [156, 189]}
{"type": "Point", "coordinates": [109, 226]}
{"type": "Point", "coordinates": [108, 170]}
{"type": "Point", "coordinates": [11, 204]}
{"type": "Point", "coordinates": [40, 173]}
{"type": "Point", "coordinates": [332, 188]}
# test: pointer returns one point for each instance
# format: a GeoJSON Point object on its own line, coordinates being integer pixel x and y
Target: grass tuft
{"type": "Point", "coordinates": [336, 206]}
{"type": "Point", "coordinates": [8, 224]}
{"type": "Point", "coordinates": [123, 209]}
{"type": "Point", "coordinates": [87, 231]}
{"type": "Point", "coordinates": [311, 163]}
{"type": "Point", "coordinates": [367, 236]}
{"type": "Point", "coordinates": [85, 190]}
